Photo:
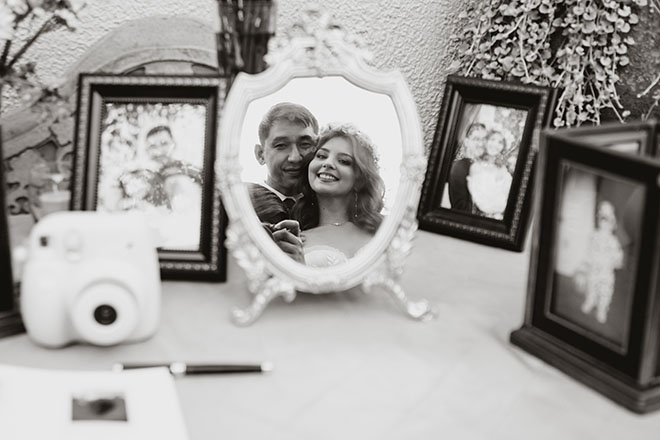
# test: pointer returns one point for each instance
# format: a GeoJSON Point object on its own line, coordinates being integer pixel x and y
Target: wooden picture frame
{"type": "Point", "coordinates": [633, 138]}
{"type": "Point", "coordinates": [480, 193]}
{"type": "Point", "coordinates": [148, 143]}
{"type": "Point", "coordinates": [592, 302]}
{"type": "Point", "coordinates": [10, 317]}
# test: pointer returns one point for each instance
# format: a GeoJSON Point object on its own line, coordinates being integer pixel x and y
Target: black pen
{"type": "Point", "coordinates": [183, 369]}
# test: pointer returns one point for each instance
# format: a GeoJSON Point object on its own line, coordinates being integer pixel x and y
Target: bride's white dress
{"type": "Point", "coordinates": [323, 256]}
{"type": "Point", "coordinates": [489, 186]}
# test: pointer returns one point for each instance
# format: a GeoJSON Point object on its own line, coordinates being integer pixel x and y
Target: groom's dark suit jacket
{"type": "Point", "coordinates": [267, 204]}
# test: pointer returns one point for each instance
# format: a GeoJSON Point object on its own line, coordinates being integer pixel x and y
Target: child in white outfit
{"type": "Point", "coordinates": [604, 256]}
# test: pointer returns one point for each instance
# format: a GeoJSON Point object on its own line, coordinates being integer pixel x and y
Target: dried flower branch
{"type": "Point", "coordinates": [19, 17]}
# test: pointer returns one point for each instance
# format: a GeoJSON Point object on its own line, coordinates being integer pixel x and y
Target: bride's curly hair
{"type": "Point", "coordinates": [501, 158]}
{"type": "Point", "coordinates": [369, 189]}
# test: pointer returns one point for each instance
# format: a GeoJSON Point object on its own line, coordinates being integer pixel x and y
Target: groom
{"type": "Point", "coordinates": [287, 136]}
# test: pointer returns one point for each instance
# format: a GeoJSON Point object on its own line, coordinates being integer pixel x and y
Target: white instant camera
{"type": "Point", "coordinates": [90, 277]}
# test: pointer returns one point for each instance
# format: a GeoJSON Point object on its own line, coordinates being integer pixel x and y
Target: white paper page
{"type": "Point", "coordinates": [37, 404]}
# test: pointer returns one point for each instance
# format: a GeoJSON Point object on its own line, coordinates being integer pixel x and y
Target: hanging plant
{"type": "Point", "coordinates": [653, 90]}
{"type": "Point", "coordinates": [577, 46]}
{"type": "Point", "coordinates": [655, 96]}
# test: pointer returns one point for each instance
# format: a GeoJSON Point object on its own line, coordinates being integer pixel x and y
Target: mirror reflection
{"type": "Point", "coordinates": [321, 159]}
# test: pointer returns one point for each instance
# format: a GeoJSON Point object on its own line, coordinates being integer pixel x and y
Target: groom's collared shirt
{"type": "Point", "coordinates": [279, 194]}
{"type": "Point", "coordinates": [270, 204]}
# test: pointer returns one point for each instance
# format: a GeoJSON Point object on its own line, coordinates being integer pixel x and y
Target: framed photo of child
{"type": "Point", "coordinates": [592, 302]}
{"type": "Point", "coordinates": [598, 228]}
{"type": "Point", "coordinates": [477, 184]}
{"type": "Point", "coordinates": [147, 144]}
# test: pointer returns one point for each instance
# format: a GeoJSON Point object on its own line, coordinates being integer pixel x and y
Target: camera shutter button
{"type": "Point", "coordinates": [73, 244]}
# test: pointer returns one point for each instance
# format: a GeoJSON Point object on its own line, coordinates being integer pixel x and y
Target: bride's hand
{"type": "Point", "coordinates": [291, 225]}
{"type": "Point", "coordinates": [286, 235]}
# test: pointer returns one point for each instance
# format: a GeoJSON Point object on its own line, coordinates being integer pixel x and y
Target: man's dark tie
{"type": "Point", "coordinates": [289, 202]}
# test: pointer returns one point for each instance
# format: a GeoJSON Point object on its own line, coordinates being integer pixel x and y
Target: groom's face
{"type": "Point", "coordinates": [287, 145]}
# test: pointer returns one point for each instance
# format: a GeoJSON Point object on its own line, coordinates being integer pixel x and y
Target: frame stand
{"type": "Point", "coordinates": [602, 378]}
{"type": "Point", "coordinates": [265, 293]}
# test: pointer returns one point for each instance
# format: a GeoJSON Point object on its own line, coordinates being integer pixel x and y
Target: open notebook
{"type": "Point", "coordinates": [66, 404]}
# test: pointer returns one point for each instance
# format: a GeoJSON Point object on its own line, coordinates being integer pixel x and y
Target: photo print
{"type": "Point", "coordinates": [485, 159]}
{"type": "Point", "coordinates": [598, 239]}
{"type": "Point", "coordinates": [151, 160]}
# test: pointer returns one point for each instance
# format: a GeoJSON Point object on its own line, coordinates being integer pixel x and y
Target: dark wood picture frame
{"type": "Point", "coordinates": [10, 317]}
{"type": "Point", "coordinates": [529, 109]}
{"type": "Point", "coordinates": [142, 104]}
{"type": "Point", "coordinates": [634, 138]}
{"type": "Point", "coordinates": [617, 354]}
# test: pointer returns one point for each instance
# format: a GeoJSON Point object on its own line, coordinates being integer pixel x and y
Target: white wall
{"type": "Point", "coordinates": [412, 36]}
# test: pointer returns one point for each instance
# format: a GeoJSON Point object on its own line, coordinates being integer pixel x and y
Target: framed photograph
{"type": "Point", "coordinates": [478, 180]}
{"type": "Point", "coordinates": [10, 318]}
{"type": "Point", "coordinates": [147, 143]}
{"type": "Point", "coordinates": [633, 138]}
{"type": "Point", "coordinates": [592, 306]}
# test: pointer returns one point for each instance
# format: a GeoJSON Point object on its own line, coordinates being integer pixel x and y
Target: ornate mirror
{"type": "Point", "coordinates": [366, 134]}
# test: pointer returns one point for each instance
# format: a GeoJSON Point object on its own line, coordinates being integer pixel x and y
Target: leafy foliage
{"type": "Point", "coordinates": [577, 46]}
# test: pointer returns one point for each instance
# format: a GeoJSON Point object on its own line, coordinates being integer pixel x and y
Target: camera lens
{"type": "Point", "coordinates": [105, 314]}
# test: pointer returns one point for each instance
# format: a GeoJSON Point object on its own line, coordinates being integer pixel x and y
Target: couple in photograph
{"type": "Point", "coordinates": [147, 177]}
{"type": "Point", "coordinates": [323, 195]}
{"type": "Point", "coordinates": [159, 180]}
{"type": "Point", "coordinates": [481, 173]}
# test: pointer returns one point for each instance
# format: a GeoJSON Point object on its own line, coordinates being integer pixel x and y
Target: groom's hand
{"type": "Point", "coordinates": [287, 236]}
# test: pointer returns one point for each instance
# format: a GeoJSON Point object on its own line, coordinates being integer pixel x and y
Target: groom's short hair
{"type": "Point", "coordinates": [158, 129]}
{"type": "Point", "coordinates": [286, 111]}
{"type": "Point", "coordinates": [474, 126]}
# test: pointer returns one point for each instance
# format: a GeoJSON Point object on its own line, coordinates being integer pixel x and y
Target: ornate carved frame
{"type": "Point", "coordinates": [319, 48]}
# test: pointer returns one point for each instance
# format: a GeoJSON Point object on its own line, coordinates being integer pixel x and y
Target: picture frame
{"type": "Point", "coordinates": [10, 317]}
{"type": "Point", "coordinates": [638, 138]}
{"type": "Point", "coordinates": [477, 193]}
{"type": "Point", "coordinates": [592, 302]}
{"type": "Point", "coordinates": [148, 143]}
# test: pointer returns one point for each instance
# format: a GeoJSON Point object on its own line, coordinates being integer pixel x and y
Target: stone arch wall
{"type": "Point", "coordinates": [137, 47]}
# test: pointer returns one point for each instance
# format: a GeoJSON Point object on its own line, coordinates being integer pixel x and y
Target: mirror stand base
{"type": "Point", "coordinates": [420, 310]}
{"type": "Point", "coordinates": [263, 295]}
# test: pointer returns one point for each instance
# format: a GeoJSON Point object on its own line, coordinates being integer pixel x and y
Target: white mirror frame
{"type": "Point", "coordinates": [319, 48]}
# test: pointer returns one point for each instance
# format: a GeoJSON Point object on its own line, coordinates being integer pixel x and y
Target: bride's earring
{"type": "Point", "coordinates": [355, 208]}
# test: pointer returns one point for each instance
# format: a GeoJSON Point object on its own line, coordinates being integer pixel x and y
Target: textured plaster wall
{"type": "Point", "coordinates": [412, 36]}
{"type": "Point", "coordinates": [59, 50]}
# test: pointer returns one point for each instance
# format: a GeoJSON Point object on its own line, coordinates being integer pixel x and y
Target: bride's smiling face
{"type": "Point", "coordinates": [332, 170]}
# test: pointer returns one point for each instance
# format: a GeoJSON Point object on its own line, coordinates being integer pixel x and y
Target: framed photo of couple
{"type": "Point", "coordinates": [592, 305]}
{"type": "Point", "coordinates": [478, 182]}
{"type": "Point", "coordinates": [147, 144]}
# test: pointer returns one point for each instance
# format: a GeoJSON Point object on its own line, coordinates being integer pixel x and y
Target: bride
{"type": "Point", "coordinates": [489, 180]}
{"type": "Point", "coordinates": [340, 209]}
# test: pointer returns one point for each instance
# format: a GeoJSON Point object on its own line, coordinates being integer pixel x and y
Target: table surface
{"type": "Point", "coordinates": [351, 365]}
